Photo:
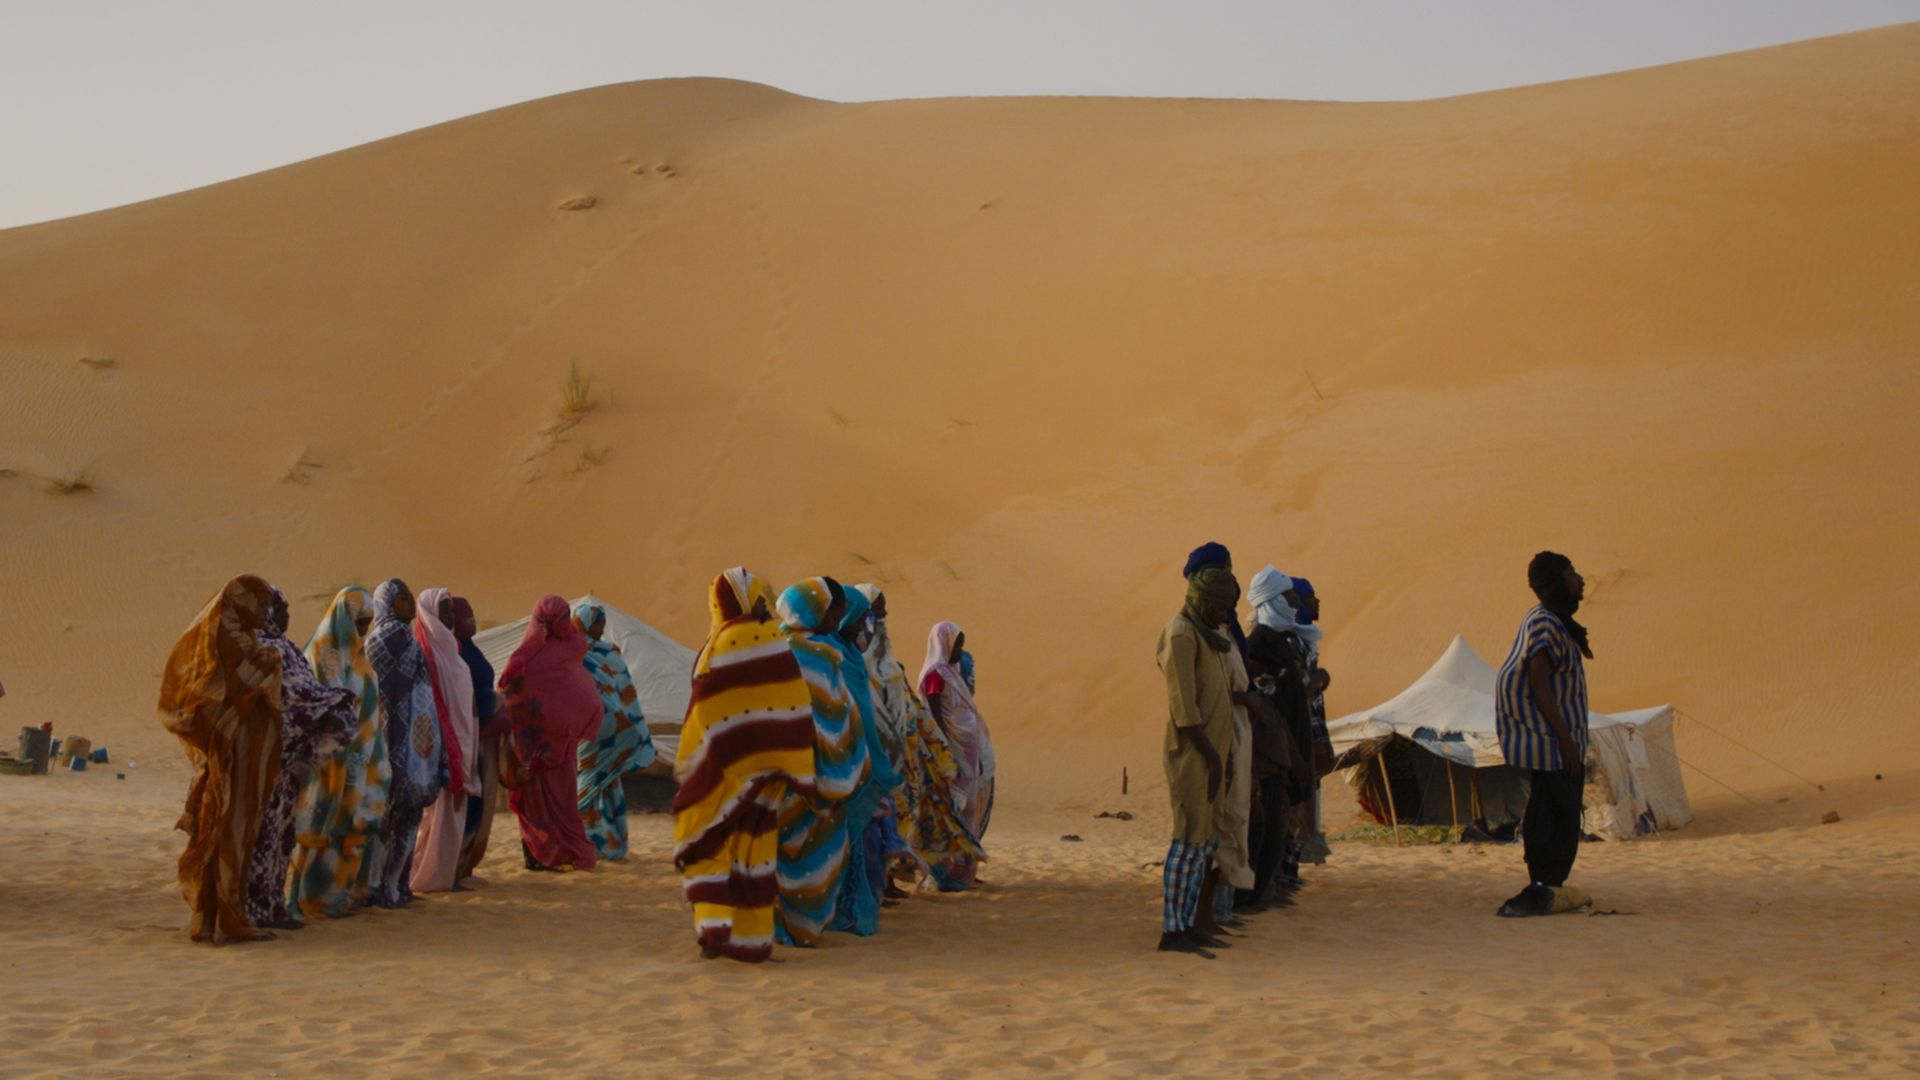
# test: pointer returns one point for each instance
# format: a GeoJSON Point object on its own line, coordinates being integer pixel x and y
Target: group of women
{"type": "Point", "coordinates": [814, 776]}
{"type": "Point", "coordinates": [365, 768]}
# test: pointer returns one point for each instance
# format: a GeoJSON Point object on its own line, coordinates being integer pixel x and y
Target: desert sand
{"type": "Point", "coordinates": [1012, 358]}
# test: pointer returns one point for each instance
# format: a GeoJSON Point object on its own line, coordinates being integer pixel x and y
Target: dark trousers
{"type": "Point", "coordinates": [1551, 827]}
{"type": "Point", "coordinates": [1267, 833]}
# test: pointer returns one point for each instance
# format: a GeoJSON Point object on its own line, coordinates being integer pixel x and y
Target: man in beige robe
{"type": "Point", "coordinates": [1198, 661]}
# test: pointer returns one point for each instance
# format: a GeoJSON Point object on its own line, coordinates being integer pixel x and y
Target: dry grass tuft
{"type": "Point", "coordinates": [100, 363]}
{"type": "Point", "coordinates": [587, 457]}
{"type": "Point", "coordinates": [80, 481]}
{"type": "Point", "coordinates": [301, 471]}
{"type": "Point", "coordinates": [576, 401]}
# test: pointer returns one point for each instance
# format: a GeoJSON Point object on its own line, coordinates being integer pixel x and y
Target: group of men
{"type": "Point", "coordinates": [1246, 744]}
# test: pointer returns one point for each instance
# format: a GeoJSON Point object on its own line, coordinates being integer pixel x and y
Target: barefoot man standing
{"type": "Point", "coordinates": [1541, 716]}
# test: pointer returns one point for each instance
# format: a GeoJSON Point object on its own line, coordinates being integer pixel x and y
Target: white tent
{"type": "Point", "coordinates": [1433, 755]}
{"type": "Point", "coordinates": [662, 669]}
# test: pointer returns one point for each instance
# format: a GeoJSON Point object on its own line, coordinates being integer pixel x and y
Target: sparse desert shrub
{"type": "Point", "coordinates": [80, 481]}
{"type": "Point", "coordinates": [576, 399]}
{"type": "Point", "coordinates": [588, 457]}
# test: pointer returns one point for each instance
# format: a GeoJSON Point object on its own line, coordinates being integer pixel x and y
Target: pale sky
{"type": "Point", "coordinates": [103, 103]}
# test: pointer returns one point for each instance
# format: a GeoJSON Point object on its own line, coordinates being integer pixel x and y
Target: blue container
{"type": "Point", "coordinates": [55, 752]}
{"type": "Point", "coordinates": [79, 765]}
{"type": "Point", "coordinates": [100, 755]}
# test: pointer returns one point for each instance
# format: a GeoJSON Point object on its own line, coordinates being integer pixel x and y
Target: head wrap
{"type": "Point", "coordinates": [1547, 577]}
{"type": "Point", "coordinates": [1267, 593]}
{"type": "Point", "coordinates": [335, 649]}
{"type": "Point", "coordinates": [1302, 587]}
{"type": "Point", "coordinates": [220, 667]}
{"type": "Point", "coordinates": [1207, 554]}
{"type": "Point", "coordinates": [940, 641]}
{"type": "Point", "coordinates": [858, 608]}
{"type": "Point", "coordinates": [734, 594]}
{"type": "Point", "coordinates": [586, 613]}
{"type": "Point", "coordinates": [1304, 622]}
{"type": "Point", "coordinates": [803, 606]}
{"type": "Point", "coordinates": [1209, 588]}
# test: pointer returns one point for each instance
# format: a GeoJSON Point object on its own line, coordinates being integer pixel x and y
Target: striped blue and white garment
{"type": "Point", "coordinates": [1187, 862]}
{"type": "Point", "coordinates": [814, 834]}
{"type": "Point", "coordinates": [1525, 738]}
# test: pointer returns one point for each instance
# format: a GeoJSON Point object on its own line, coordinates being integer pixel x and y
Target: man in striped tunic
{"type": "Point", "coordinates": [1541, 716]}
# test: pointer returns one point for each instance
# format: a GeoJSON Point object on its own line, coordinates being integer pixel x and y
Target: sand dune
{"type": "Point", "coordinates": [1012, 358]}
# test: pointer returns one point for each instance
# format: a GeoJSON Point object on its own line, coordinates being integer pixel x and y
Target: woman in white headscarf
{"type": "Point", "coordinates": [947, 694]}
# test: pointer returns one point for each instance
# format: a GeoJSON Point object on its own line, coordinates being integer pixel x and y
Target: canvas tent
{"type": "Point", "coordinates": [1431, 756]}
{"type": "Point", "coordinates": [662, 670]}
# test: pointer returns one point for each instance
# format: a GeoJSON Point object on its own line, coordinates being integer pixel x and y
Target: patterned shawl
{"type": "Point", "coordinates": [750, 721]}
{"type": "Point", "coordinates": [748, 744]}
{"type": "Point", "coordinates": [840, 752]}
{"type": "Point", "coordinates": [859, 680]}
{"type": "Point", "coordinates": [960, 719]}
{"type": "Point", "coordinates": [220, 694]}
{"type": "Point", "coordinates": [813, 832]}
{"type": "Point", "coordinates": [452, 690]}
{"type": "Point", "coordinates": [316, 720]}
{"type": "Point", "coordinates": [406, 697]}
{"type": "Point", "coordinates": [549, 693]}
{"type": "Point", "coordinates": [893, 697]}
{"type": "Point", "coordinates": [339, 658]}
{"type": "Point", "coordinates": [929, 821]}
{"type": "Point", "coordinates": [622, 744]}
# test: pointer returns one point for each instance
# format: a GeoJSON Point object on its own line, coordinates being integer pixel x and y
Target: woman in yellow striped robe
{"type": "Point", "coordinates": [746, 746]}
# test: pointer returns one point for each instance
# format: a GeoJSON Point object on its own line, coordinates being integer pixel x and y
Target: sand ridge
{"type": "Point", "coordinates": [1013, 358]}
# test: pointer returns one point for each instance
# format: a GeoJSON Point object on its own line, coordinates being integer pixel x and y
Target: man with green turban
{"type": "Point", "coordinates": [1198, 659]}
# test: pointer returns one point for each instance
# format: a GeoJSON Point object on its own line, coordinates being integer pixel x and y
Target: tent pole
{"type": "Point", "coordinates": [1473, 793]}
{"type": "Point", "coordinates": [1453, 801]}
{"type": "Point", "coordinates": [1387, 782]}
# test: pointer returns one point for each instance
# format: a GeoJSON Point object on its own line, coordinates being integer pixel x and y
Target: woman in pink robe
{"type": "Point", "coordinates": [554, 704]}
{"type": "Point", "coordinates": [436, 851]}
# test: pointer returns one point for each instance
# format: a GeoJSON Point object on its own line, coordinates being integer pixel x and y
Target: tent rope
{"type": "Point", "coordinates": [1692, 719]}
{"type": "Point", "coordinates": [1708, 775]}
